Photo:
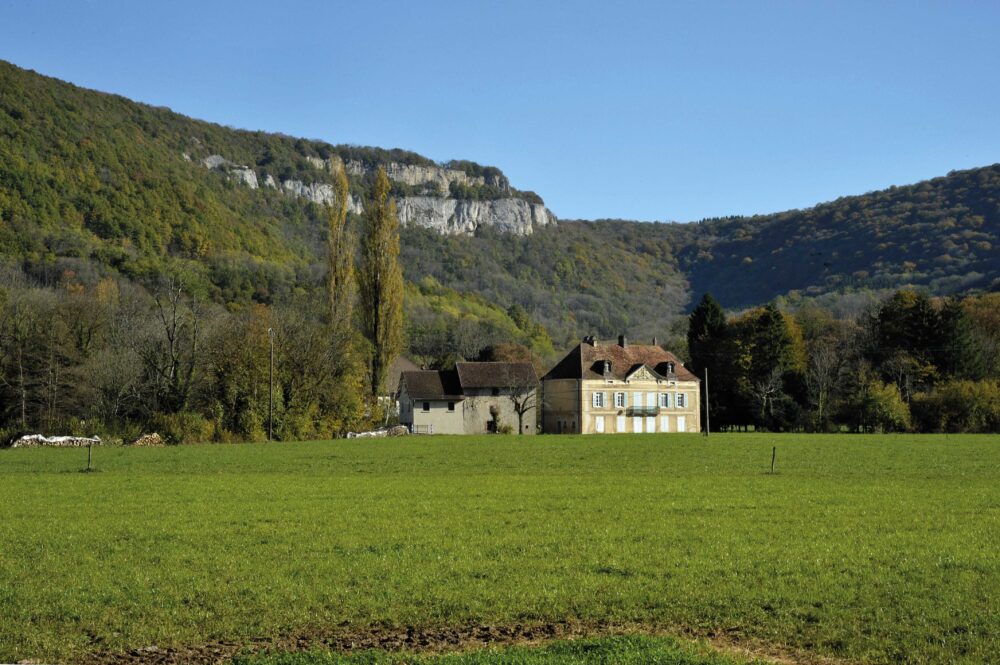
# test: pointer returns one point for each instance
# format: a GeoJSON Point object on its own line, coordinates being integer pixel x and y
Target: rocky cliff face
{"type": "Point", "coordinates": [414, 175]}
{"type": "Point", "coordinates": [454, 216]}
{"type": "Point", "coordinates": [442, 213]}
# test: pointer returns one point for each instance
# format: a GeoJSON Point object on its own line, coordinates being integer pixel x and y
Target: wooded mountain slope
{"type": "Point", "coordinates": [95, 185]}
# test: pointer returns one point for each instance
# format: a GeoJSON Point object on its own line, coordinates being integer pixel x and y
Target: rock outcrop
{"type": "Point", "coordinates": [414, 175]}
{"type": "Point", "coordinates": [456, 216]}
{"type": "Point", "coordinates": [444, 214]}
{"type": "Point", "coordinates": [241, 174]}
{"type": "Point", "coordinates": [321, 193]}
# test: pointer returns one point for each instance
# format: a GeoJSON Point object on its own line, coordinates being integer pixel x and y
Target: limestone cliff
{"type": "Point", "coordinates": [455, 216]}
{"type": "Point", "coordinates": [441, 212]}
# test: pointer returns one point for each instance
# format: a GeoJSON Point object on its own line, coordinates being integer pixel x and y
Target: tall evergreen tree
{"type": "Point", "coordinates": [380, 284]}
{"type": "Point", "coordinates": [340, 256]}
{"type": "Point", "coordinates": [706, 329]}
{"type": "Point", "coordinates": [960, 354]}
{"type": "Point", "coordinates": [706, 338]}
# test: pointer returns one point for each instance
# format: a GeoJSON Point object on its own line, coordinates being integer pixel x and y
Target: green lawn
{"type": "Point", "coordinates": [870, 548]}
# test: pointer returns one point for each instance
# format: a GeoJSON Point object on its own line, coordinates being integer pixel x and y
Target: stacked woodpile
{"type": "Point", "coordinates": [398, 430]}
{"type": "Point", "coordinates": [153, 439]}
{"type": "Point", "coordinates": [32, 440]}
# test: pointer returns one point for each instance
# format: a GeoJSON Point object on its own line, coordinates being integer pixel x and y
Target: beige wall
{"type": "Point", "coordinates": [470, 415]}
{"type": "Point", "coordinates": [478, 412]}
{"type": "Point", "coordinates": [438, 419]}
{"type": "Point", "coordinates": [561, 406]}
{"type": "Point", "coordinates": [622, 419]}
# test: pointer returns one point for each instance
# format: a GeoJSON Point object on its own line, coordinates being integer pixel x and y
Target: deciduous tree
{"type": "Point", "coordinates": [380, 285]}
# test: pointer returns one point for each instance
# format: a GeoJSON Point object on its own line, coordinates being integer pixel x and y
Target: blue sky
{"type": "Point", "coordinates": [635, 110]}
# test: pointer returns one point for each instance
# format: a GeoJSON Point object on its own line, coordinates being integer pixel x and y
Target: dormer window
{"type": "Point", "coordinates": [670, 368]}
{"type": "Point", "coordinates": [607, 367]}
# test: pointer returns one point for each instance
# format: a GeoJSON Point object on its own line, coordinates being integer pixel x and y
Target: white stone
{"type": "Point", "coordinates": [245, 175]}
{"type": "Point", "coordinates": [454, 216]}
{"type": "Point", "coordinates": [443, 214]}
{"type": "Point", "coordinates": [214, 161]}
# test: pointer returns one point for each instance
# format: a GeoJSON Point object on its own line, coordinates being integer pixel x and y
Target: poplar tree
{"type": "Point", "coordinates": [340, 256]}
{"type": "Point", "coordinates": [380, 284]}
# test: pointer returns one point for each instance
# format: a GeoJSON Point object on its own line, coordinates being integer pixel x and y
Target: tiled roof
{"type": "Point", "coordinates": [496, 375]}
{"type": "Point", "coordinates": [400, 365]}
{"type": "Point", "coordinates": [586, 361]}
{"type": "Point", "coordinates": [440, 384]}
{"type": "Point", "coordinates": [431, 383]}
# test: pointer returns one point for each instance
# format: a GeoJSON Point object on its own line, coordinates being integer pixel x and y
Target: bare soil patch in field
{"type": "Point", "coordinates": [345, 639]}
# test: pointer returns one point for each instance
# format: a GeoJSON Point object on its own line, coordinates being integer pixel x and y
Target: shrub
{"type": "Point", "coordinates": [959, 406]}
{"type": "Point", "coordinates": [183, 427]}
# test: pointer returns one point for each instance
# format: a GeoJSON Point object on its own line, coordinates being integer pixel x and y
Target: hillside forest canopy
{"type": "Point", "coordinates": [135, 284]}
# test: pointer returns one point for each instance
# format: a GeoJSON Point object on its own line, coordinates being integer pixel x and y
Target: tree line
{"type": "Point", "coordinates": [118, 359]}
{"type": "Point", "coordinates": [908, 363]}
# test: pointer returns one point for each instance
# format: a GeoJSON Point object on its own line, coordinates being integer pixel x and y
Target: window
{"type": "Point", "coordinates": [599, 424]}
{"type": "Point", "coordinates": [664, 423]}
{"type": "Point", "coordinates": [427, 406]}
{"type": "Point", "coordinates": [637, 425]}
{"type": "Point", "coordinates": [620, 424]}
{"type": "Point", "coordinates": [619, 400]}
{"type": "Point", "coordinates": [451, 406]}
{"type": "Point", "coordinates": [681, 400]}
{"type": "Point", "coordinates": [650, 424]}
{"type": "Point", "coordinates": [495, 391]}
{"type": "Point", "coordinates": [636, 399]}
{"type": "Point", "coordinates": [600, 400]}
{"type": "Point", "coordinates": [664, 400]}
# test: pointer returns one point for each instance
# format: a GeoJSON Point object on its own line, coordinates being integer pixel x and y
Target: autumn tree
{"type": "Point", "coordinates": [380, 284]}
{"type": "Point", "coordinates": [340, 255]}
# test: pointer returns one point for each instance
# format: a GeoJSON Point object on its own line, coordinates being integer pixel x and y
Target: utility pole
{"type": "Point", "coordinates": [708, 422]}
{"type": "Point", "coordinates": [270, 388]}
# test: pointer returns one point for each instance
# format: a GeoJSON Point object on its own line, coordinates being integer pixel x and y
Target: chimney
{"type": "Point", "coordinates": [655, 343]}
{"type": "Point", "coordinates": [622, 341]}
{"type": "Point", "coordinates": [589, 339]}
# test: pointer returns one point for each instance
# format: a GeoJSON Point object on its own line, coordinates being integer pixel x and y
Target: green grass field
{"type": "Point", "coordinates": [620, 650]}
{"type": "Point", "coordinates": [870, 548]}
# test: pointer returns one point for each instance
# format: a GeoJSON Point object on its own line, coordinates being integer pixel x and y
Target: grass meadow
{"type": "Point", "coordinates": [872, 549]}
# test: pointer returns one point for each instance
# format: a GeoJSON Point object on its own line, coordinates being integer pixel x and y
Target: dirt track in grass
{"type": "Point", "coordinates": [347, 639]}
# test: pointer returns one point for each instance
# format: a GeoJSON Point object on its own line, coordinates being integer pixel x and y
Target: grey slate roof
{"type": "Point", "coordinates": [452, 384]}
{"type": "Point", "coordinates": [495, 375]}
{"type": "Point", "coordinates": [399, 365]}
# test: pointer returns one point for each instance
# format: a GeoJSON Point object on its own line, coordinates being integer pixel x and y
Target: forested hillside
{"type": "Point", "coordinates": [96, 186]}
{"type": "Point", "coordinates": [941, 234]}
{"type": "Point", "coordinates": [139, 283]}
